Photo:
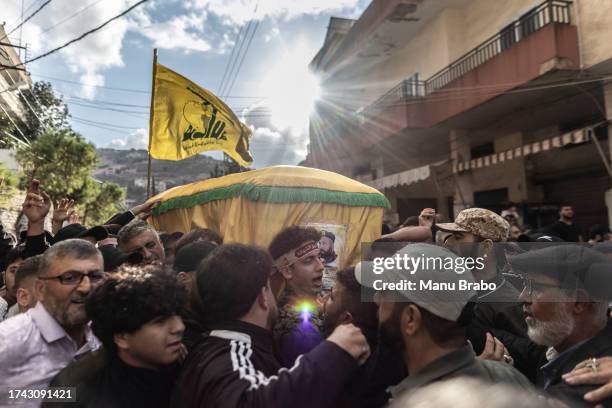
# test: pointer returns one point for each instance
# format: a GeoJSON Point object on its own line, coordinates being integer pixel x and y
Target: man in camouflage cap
{"type": "Point", "coordinates": [480, 233]}
{"type": "Point", "coordinates": [480, 223]}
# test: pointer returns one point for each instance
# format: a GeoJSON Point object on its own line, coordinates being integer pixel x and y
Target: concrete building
{"type": "Point", "coordinates": [455, 103]}
{"type": "Point", "coordinates": [13, 106]}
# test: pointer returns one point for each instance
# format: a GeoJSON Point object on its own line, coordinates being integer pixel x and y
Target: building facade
{"type": "Point", "coordinates": [456, 103]}
{"type": "Point", "coordinates": [13, 105]}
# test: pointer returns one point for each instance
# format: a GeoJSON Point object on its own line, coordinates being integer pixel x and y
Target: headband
{"type": "Point", "coordinates": [291, 257]}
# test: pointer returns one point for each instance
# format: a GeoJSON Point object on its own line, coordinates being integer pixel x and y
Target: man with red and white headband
{"type": "Point", "coordinates": [297, 283]}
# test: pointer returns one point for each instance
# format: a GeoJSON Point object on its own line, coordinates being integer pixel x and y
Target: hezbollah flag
{"type": "Point", "coordinates": [188, 119]}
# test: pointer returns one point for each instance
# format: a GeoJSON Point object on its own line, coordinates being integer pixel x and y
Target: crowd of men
{"type": "Point", "coordinates": [127, 316]}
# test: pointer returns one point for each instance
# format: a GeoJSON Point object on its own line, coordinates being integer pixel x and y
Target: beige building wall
{"type": "Point", "coordinates": [444, 39]}
{"type": "Point", "coordinates": [594, 21]}
{"type": "Point", "coordinates": [483, 19]}
{"type": "Point", "coordinates": [426, 53]}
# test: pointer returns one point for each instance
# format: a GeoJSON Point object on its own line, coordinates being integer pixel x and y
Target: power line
{"type": "Point", "coordinates": [95, 86]}
{"type": "Point", "coordinates": [134, 114]}
{"type": "Point", "coordinates": [105, 123]}
{"type": "Point", "coordinates": [79, 38]}
{"type": "Point", "coordinates": [229, 91]}
{"type": "Point", "coordinates": [143, 91]}
{"type": "Point", "coordinates": [100, 127]}
{"type": "Point", "coordinates": [103, 102]}
{"type": "Point", "coordinates": [27, 19]}
{"type": "Point", "coordinates": [233, 63]}
{"type": "Point", "coordinates": [229, 69]}
{"type": "Point", "coordinates": [229, 60]}
{"type": "Point", "coordinates": [70, 17]}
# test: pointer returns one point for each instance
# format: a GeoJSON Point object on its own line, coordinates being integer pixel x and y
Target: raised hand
{"type": "Point", "coordinates": [350, 338]}
{"type": "Point", "coordinates": [74, 218]}
{"type": "Point", "coordinates": [495, 350]}
{"type": "Point", "coordinates": [37, 203]}
{"type": "Point", "coordinates": [143, 211]}
{"type": "Point", "coordinates": [427, 217]}
{"type": "Point", "coordinates": [63, 210]}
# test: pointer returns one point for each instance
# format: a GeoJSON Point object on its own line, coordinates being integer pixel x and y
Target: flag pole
{"type": "Point", "coordinates": [151, 122]}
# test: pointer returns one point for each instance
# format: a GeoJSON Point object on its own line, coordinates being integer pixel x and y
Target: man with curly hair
{"type": "Point", "coordinates": [297, 282]}
{"type": "Point", "coordinates": [135, 313]}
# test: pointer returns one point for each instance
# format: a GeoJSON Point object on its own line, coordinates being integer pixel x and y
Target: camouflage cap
{"type": "Point", "coordinates": [480, 222]}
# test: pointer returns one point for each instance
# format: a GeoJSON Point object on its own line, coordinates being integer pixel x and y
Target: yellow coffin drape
{"type": "Point", "coordinates": [252, 207]}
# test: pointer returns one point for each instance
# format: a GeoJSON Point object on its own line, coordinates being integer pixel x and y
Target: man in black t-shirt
{"type": "Point", "coordinates": [564, 227]}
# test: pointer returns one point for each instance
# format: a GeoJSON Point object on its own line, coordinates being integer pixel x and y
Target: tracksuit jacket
{"type": "Point", "coordinates": [235, 366]}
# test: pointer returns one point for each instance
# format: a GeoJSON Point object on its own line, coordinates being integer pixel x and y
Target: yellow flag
{"type": "Point", "coordinates": [188, 119]}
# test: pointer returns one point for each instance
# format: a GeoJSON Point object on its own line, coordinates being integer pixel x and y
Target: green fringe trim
{"type": "Point", "coordinates": [279, 195]}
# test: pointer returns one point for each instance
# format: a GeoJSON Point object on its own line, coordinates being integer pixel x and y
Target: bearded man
{"type": "Point", "coordinates": [563, 301]}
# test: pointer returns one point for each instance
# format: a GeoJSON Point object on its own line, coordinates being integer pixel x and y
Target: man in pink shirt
{"type": "Point", "coordinates": [36, 345]}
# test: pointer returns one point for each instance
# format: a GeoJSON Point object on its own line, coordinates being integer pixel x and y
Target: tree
{"type": "Point", "coordinates": [61, 159]}
{"type": "Point", "coordinates": [102, 203]}
{"type": "Point", "coordinates": [49, 108]}
{"type": "Point", "coordinates": [63, 162]}
{"type": "Point", "coordinates": [43, 110]}
{"type": "Point", "coordinates": [8, 186]}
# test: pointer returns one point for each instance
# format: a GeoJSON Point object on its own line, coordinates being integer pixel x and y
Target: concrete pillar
{"type": "Point", "coordinates": [514, 172]}
{"type": "Point", "coordinates": [608, 197]}
{"type": "Point", "coordinates": [608, 102]}
{"type": "Point", "coordinates": [460, 151]}
{"type": "Point", "coordinates": [391, 215]}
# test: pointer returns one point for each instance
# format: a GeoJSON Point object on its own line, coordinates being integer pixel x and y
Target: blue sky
{"type": "Point", "coordinates": [193, 37]}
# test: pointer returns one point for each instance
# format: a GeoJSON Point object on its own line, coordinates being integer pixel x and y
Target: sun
{"type": "Point", "coordinates": [290, 90]}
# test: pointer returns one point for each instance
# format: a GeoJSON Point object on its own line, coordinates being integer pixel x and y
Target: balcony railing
{"type": "Point", "coordinates": [551, 11]}
{"type": "Point", "coordinates": [408, 88]}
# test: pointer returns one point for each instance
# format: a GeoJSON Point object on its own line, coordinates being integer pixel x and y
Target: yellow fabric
{"type": "Point", "coordinates": [282, 176]}
{"type": "Point", "coordinates": [249, 222]}
{"type": "Point", "coordinates": [188, 119]}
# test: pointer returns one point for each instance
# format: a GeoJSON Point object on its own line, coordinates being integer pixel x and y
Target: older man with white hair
{"type": "Point", "coordinates": [563, 300]}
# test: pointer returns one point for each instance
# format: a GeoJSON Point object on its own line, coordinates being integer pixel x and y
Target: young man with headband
{"type": "Point", "coordinates": [297, 283]}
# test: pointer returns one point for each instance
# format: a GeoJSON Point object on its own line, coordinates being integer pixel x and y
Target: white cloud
{"type": "Point", "coordinates": [240, 11]}
{"type": "Point", "coordinates": [272, 34]}
{"type": "Point", "coordinates": [180, 32]}
{"type": "Point", "coordinates": [52, 27]}
{"type": "Point", "coordinates": [189, 25]}
{"type": "Point", "coordinates": [139, 139]}
{"type": "Point", "coordinates": [271, 145]}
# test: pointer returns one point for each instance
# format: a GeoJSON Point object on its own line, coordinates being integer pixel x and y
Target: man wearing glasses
{"type": "Point", "coordinates": [565, 302]}
{"type": "Point", "coordinates": [36, 345]}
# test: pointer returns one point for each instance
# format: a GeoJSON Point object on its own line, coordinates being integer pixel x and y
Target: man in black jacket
{"type": "Point", "coordinates": [563, 301]}
{"type": "Point", "coordinates": [478, 232]}
{"type": "Point", "coordinates": [235, 364]}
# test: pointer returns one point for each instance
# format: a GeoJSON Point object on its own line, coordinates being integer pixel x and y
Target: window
{"type": "Point", "coordinates": [482, 150]}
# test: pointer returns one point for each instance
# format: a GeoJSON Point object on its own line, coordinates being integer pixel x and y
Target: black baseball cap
{"type": "Point", "coordinates": [79, 231]}
{"type": "Point", "coordinates": [572, 265]}
{"type": "Point", "coordinates": [114, 257]}
{"type": "Point", "coordinates": [189, 256]}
